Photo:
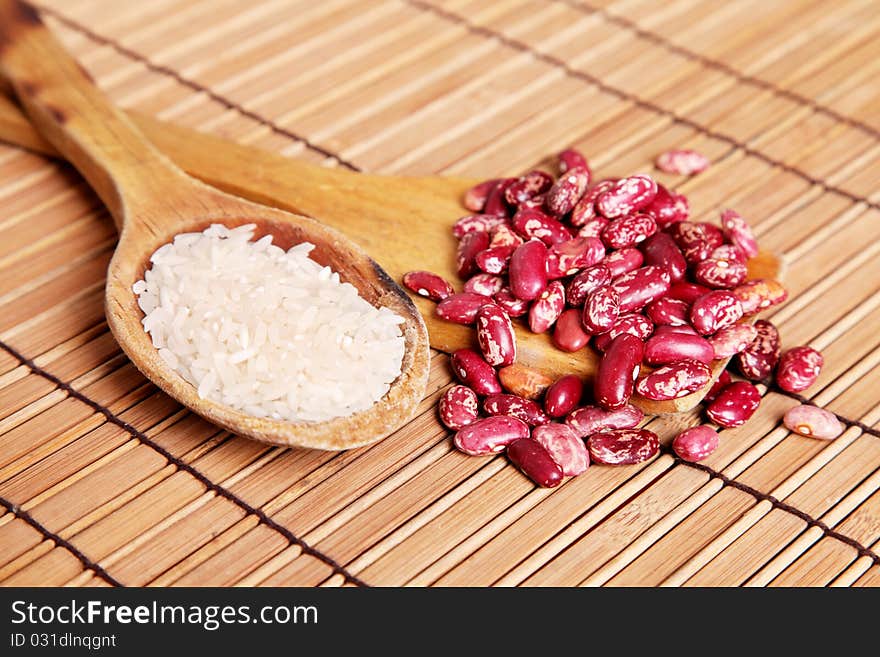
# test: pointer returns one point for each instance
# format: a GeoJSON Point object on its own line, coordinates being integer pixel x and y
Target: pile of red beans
{"type": "Point", "coordinates": [615, 264]}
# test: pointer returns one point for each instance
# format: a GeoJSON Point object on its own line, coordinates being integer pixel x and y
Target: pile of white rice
{"type": "Point", "coordinates": [268, 332]}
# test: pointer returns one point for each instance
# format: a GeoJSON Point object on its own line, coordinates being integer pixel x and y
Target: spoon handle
{"type": "Point", "coordinates": [127, 172]}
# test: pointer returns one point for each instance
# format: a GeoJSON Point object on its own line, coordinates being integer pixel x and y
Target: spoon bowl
{"type": "Point", "coordinates": [152, 200]}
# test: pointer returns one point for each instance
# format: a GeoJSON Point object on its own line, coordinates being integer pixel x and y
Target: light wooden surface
{"type": "Point", "coordinates": [781, 96]}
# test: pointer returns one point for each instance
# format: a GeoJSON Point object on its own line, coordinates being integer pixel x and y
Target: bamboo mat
{"type": "Point", "coordinates": [106, 481]}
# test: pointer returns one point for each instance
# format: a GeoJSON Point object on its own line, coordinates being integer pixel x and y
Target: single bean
{"type": "Point", "coordinates": [473, 371]}
{"type": "Point", "coordinates": [668, 208]}
{"type": "Point", "coordinates": [503, 235]}
{"type": "Point", "coordinates": [547, 308]}
{"type": "Point", "coordinates": [567, 191]}
{"type": "Point", "coordinates": [674, 380]}
{"type": "Point", "coordinates": [627, 196]}
{"type": "Point", "coordinates": [487, 285]}
{"type": "Point", "coordinates": [588, 420]}
{"type": "Point", "coordinates": [495, 335]}
{"type": "Point", "coordinates": [686, 291]}
{"type": "Point", "coordinates": [510, 304]}
{"type": "Point", "coordinates": [475, 197]}
{"type": "Point", "coordinates": [461, 307]}
{"type": "Point", "coordinates": [715, 311]}
{"type": "Point", "coordinates": [524, 381]}
{"type": "Point", "coordinates": [567, 258]}
{"type": "Point", "coordinates": [528, 270]}
{"type": "Point", "coordinates": [495, 202]}
{"type": "Point", "coordinates": [735, 404]}
{"type": "Point", "coordinates": [739, 232]}
{"type": "Point", "coordinates": [495, 259]}
{"type": "Point", "coordinates": [733, 340]}
{"type": "Point", "coordinates": [623, 446]}
{"type": "Point", "coordinates": [427, 284]}
{"type": "Point", "coordinates": [623, 261]}
{"type": "Point", "coordinates": [585, 282]}
{"type": "Point", "coordinates": [719, 273]}
{"type": "Point", "coordinates": [683, 161]}
{"type": "Point", "coordinates": [696, 240]}
{"type": "Point", "coordinates": [468, 248]}
{"type": "Point", "coordinates": [523, 409]}
{"type": "Point", "coordinates": [665, 347]}
{"type": "Point", "coordinates": [634, 324]}
{"type": "Point", "coordinates": [668, 312]}
{"type": "Point", "coordinates": [601, 310]}
{"type": "Point", "coordinates": [531, 223]}
{"type": "Point", "coordinates": [571, 158]}
{"type": "Point", "coordinates": [564, 447]}
{"type": "Point", "coordinates": [490, 435]}
{"type": "Point", "coordinates": [813, 422]}
{"type": "Point", "coordinates": [534, 462]}
{"type": "Point", "coordinates": [476, 223]}
{"type": "Point", "coordinates": [459, 407]}
{"type": "Point", "coordinates": [617, 372]}
{"type": "Point", "coordinates": [640, 287]}
{"type": "Point", "coordinates": [563, 395]}
{"type": "Point", "coordinates": [696, 443]}
{"type": "Point", "coordinates": [629, 230]}
{"type": "Point", "coordinates": [585, 210]}
{"type": "Point", "coordinates": [527, 186]}
{"type": "Point", "coordinates": [798, 369]}
{"type": "Point", "coordinates": [661, 250]}
{"type": "Point", "coordinates": [757, 361]}
{"type": "Point", "coordinates": [569, 334]}
{"type": "Point", "coordinates": [760, 294]}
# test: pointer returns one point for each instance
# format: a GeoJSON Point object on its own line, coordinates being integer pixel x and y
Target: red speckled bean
{"type": "Point", "coordinates": [593, 228]}
{"type": "Point", "coordinates": [696, 443]}
{"type": "Point", "coordinates": [756, 361]}
{"type": "Point", "coordinates": [798, 369]}
{"type": "Point", "coordinates": [565, 448]}
{"type": "Point", "coordinates": [687, 292]}
{"type": "Point", "coordinates": [490, 435]}
{"type": "Point", "coordinates": [459, 407]}
{"type": "Point", "coordinates": [510, 304]}
{"type": "Point", "coordinates": [475, 197]}
{"type": "Point", "coordinates": [495, 335]}
{"type": "Point", "coordinates": [524, 381]}
{"type": "Point", "coordinates": [535, 463]}
{"type": "Point", "coordinates": [728, 252]}
{"type": "Point", "coordinates": [683, 161]}
{"type": "Point", "coordinates": [715, 311]}
{"type": "Point", "coordinates": [503, 235]}
{"type": "Point", "coordinates": [571, 158]}
{"type": "Point", "coordinates": [523, 409]}
{"type": "Point", "coordinates": [563, 396]}
{"type": "Point", "coordinates": [627, 196]}
{"type": "Point", "coordinates": [623, 446]}
{"type": "Point", "coordinates": [623, 261]}
{"type": "Point", "coordinates": [640, 287]}
{"type": "Point", "coordinates": [476, 223]}
{"type": "Point", "coordinates": [629, 230]}
{"type": "Point", "coordinates": [601, 310]}
{"type": "Point", "coordinates": [495, 259]}
{"type": "Point", "coordinates": [634, 324]}
{"type": "Point", "coordinates": [668, 207]}
{"type": "Point", "coordinates": [526, 187]}
{"type": "Point", "coordinates": [813, 422]}
{"type": "Point", "coordinates": [473, 371]}
{"type": "Point", "coordinates": [532, 223]}
{"type": "Point", "coordinates": [674, 380]}
{"type": "Point", "coordinates": [735, 404]}
{"type": "Point", "coordinates": [592, 419]}
{"type": "Point", "coordinates": [668, 312]}
{"type": "Point", "coordinates": [547, 308]}
{"type": "Point", "coordinates": [461, 307]}
{"type": "Point", "coordinates": [760, 294]}
{"type": "Point", "coordinates": [662, 251]}
{"type": "Point", "coordinates": [486, 284]}
{"type": "Point", "coordinates": [585, 210]}
{"type": "Point", "coordinates": [567, 258]}
{"type": "Point", "coordinates": [585, 282]}
{"type": "Point", "coordinates": [528, 270]}
{"type": "Point", "coordinates": [618, 370]}
{"type": "Point", "coordinates": [739, 232]}
{"type": "Point", "coordinates": [428, 284]}
{"type": "Point", "coordinates": [468, 248]}
{"type": "Point", "coordinates": [667, 347]}
{"type": "Point", "coordinates": [495, 202]}
{"type": "Point", "coordinates": [733, 339]}
{"type": "Point", "coordinates": [723, 380]}
{"type": "Point", "coordinates": [719, 273]}
{"type": "Point", "coordinates": [678, 329]}
{"type": "Point", "coordinates": [569, 334]}
{"type": "Point", "coordinates": [696, 240]}
{"type": "Point", "coordinates": [567, 191]}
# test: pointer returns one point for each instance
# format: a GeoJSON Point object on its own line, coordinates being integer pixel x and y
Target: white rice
{"type": "Point", "coordinates": [268, 332]}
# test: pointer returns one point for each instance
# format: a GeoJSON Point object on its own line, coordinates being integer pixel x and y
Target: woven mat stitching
{"type": "Point", "coordinates": [709, 62]}
{"type": "Point", "coordinates": [181, 465]}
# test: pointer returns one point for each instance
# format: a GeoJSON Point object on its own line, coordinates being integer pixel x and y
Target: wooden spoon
{"type": "Point", "coordinates": [402, 221]}
{"type": "Point", "coordinates": [152, 200]}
